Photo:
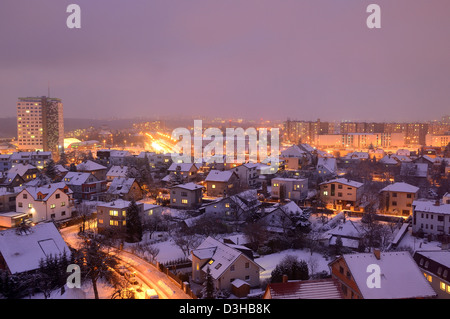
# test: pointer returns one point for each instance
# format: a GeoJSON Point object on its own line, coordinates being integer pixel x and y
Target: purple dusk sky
{"type": "Point", "coordinates": [271, 59]}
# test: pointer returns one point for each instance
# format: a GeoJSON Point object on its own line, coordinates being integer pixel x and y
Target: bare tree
{"type": "Point", "coordinates": [86, 213]}
{"type": "Point", "coordinates": [186, 242]}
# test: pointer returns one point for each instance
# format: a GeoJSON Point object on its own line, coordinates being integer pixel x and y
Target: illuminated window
{"type": "Point", "coordinates": [184, 201]}
{"type": "Point", "coordinates": [429, 278]}
{"type": "Point", "coordinates": [30, 205]}
{"type": "Point", "coordinates": [442, 285]}
{"type": "Point", "coordinates": [52, 206]}
{"type": "Point", "coordinates": [210, 261]}
{"type": "Point", "coordinates": [325, 193]}
{"type": "Point", "coordinates": [113, 213]}
{"type": "Point", "coordinates": [100, 221]}
{"type": "Point", "coordinates": [227, 205]}
{"type": "Point", "coordinates": [150, 212]}
{"type": "Point", "coordinates": [213, 186]}
{"type": "Point", "coordinates": [63, 204]}
{"type": "Point", "coordinates": [276, 184]}
{"type": "Point", "coordinates": [114, 223]}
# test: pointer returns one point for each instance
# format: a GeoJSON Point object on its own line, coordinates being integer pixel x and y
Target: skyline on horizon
{"type": "Point", "coordinates": [251, 60]}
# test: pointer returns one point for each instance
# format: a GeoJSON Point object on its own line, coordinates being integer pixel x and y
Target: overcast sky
{"type": "Point", "coordinates": [270, 59]}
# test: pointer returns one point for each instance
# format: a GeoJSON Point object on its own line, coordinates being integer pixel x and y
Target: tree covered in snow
{"type": "Point", "coordinates": [292, 267]}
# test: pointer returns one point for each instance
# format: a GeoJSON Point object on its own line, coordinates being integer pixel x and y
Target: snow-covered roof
{"type": "Point", "coordinates": [120, 185]}
{"type": "Point", "coordinates": [344, 181]}
{"type": "Point", "coordinates": [61, 169]}
{"type": "Point", "coordinates": [219, 176]}
{"type": "Point", "coordinates": [357, 155]}
{"type": "Point", "coordinates": [306, 289]}
{"type": "Point", "coordinates": [46, 190]}
{"type": "Point", "coordinates": [401, 278]}
{"type": "Point", "coordinates": [21, 169]}
{"type": "Point", "coordinates": [431, 207]}
{"type": "Point", "coordinates": [76, 178]}
{"type": "Point", "coordinates": [89, 166]}
{"type": "Point", "coordinates": [118, 204]}
{"type": "Point", "coordinates": [239, 283]}
{"type": "Point", "coordinates": [189, 186]}
{"type": "Point", "coordinates": [183, 167]}
{"type": "Point", "coordinates": [118, 171]}
{"type": "Point", "coordinates": [440, 256]}
{"type": "Point", "coordinates": [328, 163]}
{"type": "Point", "coordinates": [22, 252]}
{"type": "Point", "coordinates": [293, 151]}
{"type": "Point", "coordinates": [401, 188]}
{"type": "Point", "coordinates": [119, 153]}
{"type": "Point", "coordinates": [388, 160]}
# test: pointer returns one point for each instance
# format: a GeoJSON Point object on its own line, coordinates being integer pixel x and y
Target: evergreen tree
{"type": "Point", "coordinates": [72, 167]}
{"type": "Point", "coordinates": [50, 170]}
{"type": "Point", "coordinates": [133, 223]}
{"type": "Point", "coordinates": [208, 291]}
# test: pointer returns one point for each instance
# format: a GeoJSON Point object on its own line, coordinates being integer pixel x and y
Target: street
{"type": "Point", "coordinates": [145, 272]}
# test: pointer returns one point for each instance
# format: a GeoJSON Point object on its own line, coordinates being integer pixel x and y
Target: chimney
{"type": "Point", "coordinates": [285, 278]}
{"type": "Point", "coordinates": [437, 203]}
{"type": "Point", "coordinates": [376, 252]}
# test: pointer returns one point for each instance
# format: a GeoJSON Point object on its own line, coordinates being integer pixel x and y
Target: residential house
{"type": "Point", "coordinates": [38, 159]}
{"type": "Point", "coordinates": [186, 196]}
{"type": "Point", "coordinates": [27, 172]}
{"type": "Point", "coordinates": [221, 183]}
{"type": "Point", "coordinates": [304, 289]}
{"type": "Point", "coordinates": [397, 199]}
{"type": "Point", "coordinates": [236, 208]}
{"type": "Point", "coordinates": [119, 157]}
{"type": "Point", "coordinates": [85, 185]}
{"type": "Point", "coordinates": [446, 198]}
{"type": "Point", "coordinates": [99, 171]}
{"type": "Point", "coordinates": [326, 167]}
{"type": "Point", "coordinates": [350, 232]}
{"type": "Point", "coordinates": [111, 216]}
{"type": "Point", "coordinates": [395, 276]}
{"type": "Point", "coordinates": [8, 198]}
{"type": "Point", "coordinates": [45, 203]}
{"type": "Point", "coordinates": [116, 171]}
{"type": "Point", "coordinates": [435, 266]}
{"type": "Point", "coordinates": [248, 174]}
{"type": "Point", "coordinates": [12, 219]}
{"type": "Point", "coordinates": [295, 189]}
{"type": "Point", "coordinates": [431, 218]}
{"type": "Point", "coordinates": [11, 179]}
{"type": "Point", "coordinates": [23, 251]}
{"type": "Point", "coordinates": [226, 264]}
{"type": "Point", "coordinates": [341, 193]}
{"type": "Point", "coordinates": [180, 173]}
{"type": "Point", "coordinates": [124, 188]}
{"type": "Point", "coordinates": [295, 157]}
{"type": "Point", "coordinates": [5, 163]}
{"type": "Point", "coordinates": [283, 218]}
